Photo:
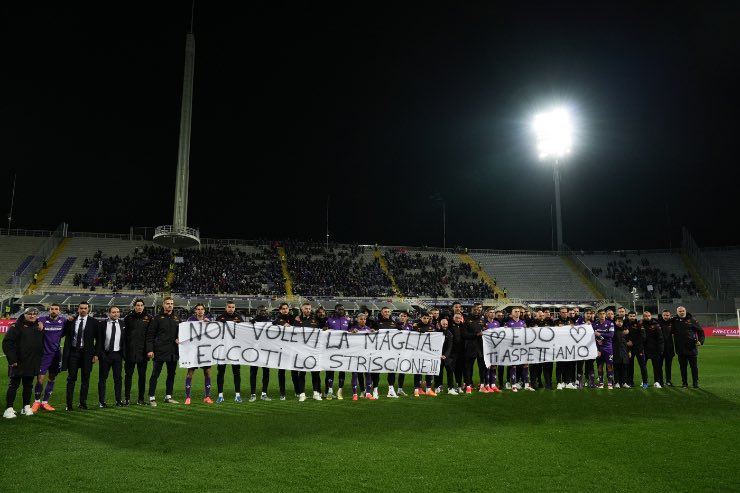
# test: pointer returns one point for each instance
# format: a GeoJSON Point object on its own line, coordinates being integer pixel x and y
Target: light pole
{"type": "Point", "coordinates": [12, 199]}
{"type": "Point", "coordinates": [554, 131]}
{"type": "Point", "coordinates": [558, 210]}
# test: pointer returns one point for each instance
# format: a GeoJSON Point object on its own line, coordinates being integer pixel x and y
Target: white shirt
{"type": "Point", "coordinates": [108, 333]}
{"type": "Point", "coordinates": [79, 320]}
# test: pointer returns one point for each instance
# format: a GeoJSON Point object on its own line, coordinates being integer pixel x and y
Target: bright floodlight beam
{"type": "Point", "coordinates": [554, 131]}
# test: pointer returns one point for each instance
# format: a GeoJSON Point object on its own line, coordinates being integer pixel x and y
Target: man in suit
{"type": "Point", "coordinates": [299, 377]}
{"type": "Point", "coordinates": [79, 352]}
{"type": "Point", "coordinates": [654, 346]}
{"type": "Point", "coordinates": [688, 336]}
{"type": "Point", "coordinates": [231, 315]}
{"type": "Point", "coordinates": [669, 349]}
{"type": "Point", "coordinates": [161, 346]}
{"type": "Point", "coordinates": [110, 348]}
{"type": "Point", "coordinates": [472, 333]}
{"type": "Point", "coordinates": [134, 350]}
{"type": "Point", "coordinates": [307, 319]}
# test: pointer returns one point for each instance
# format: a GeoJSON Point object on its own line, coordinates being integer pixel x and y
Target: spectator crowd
{"type": "Point", "coordinates": [650, 281]}
{"type": "Point", "coordinates": [145, 270]}
{"type": "Point", "coordinates": [216, 270]}
{"type": "Point", "coordinates": [339, 270]}
{"type": "Point", "coordinates": [435, 276]}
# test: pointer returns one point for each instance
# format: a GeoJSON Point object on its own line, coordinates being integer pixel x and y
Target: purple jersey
{"type": "Point", "coordinates": [364, 328]}
{"type": "Point", "coordinates": [494, 324]}
{"type": "Point", "coordinates": [193, 318]}
{"type": "Point", "coordinates": [409, 325]}
{"type": "Point", "coordinates": [605, 332]}
{"type": "Point", "coordinates": [53, 330]}
{"type": "Point", "coordinates": [338, 323]}
{"type": "Point", "coordinates": [516, 324]}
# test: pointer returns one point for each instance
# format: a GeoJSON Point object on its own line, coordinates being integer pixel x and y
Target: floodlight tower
{"type": "Point", "coordinates": [178, 235]}
{"type": "Point", "coordinates": [554, 131]}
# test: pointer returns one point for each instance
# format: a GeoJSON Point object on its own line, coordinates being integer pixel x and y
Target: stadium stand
{"type": "Point", "coordinates": [340, 270]}
{"type": "Point", "coordinates": [145, 269]}
{"type": "Point", "coordinates": [242, 269]}
{"type": "Point", "coordinates": [418, 273]}
{"type": "Point", "coordinates": [464, 282]}
{"type": "Point", "coordinates": [534, 276]}
{"type": "Point", "coordinates": [90, 278]}
{"type": "Point", "coordinates": [22, 267]}
{"type": "Point", "coordinates": [111, 264]}
{"type": "Point", "coordinates": [434, 274]}
{"type": "Point", "coordinates": [63, 271]}
{"type": "Point", "coordinates": [727, 261]}
{"type": "Point", "coordinates": [664, 271]}
{"type": "Point", "coordinates": [14, 254]}
{"type": "Point", "coordinates": [251, 273]}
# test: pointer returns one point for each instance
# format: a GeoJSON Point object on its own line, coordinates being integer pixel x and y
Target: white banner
{"type": "Point", "coordinates": [532, 345]}
{"type": "Point", "coordinates": [295, 348]}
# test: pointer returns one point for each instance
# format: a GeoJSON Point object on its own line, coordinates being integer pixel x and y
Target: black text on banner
{"type": "Point", "coordinates": [531, 345]}
{"type": "Point", "coordinates": [295, 348]}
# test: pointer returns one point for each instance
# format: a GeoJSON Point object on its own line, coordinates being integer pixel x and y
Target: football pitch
{"type": "Point", "coordinates": [589, 440]}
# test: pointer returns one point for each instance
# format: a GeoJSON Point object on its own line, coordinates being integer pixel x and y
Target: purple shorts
{"type": "Point", "coordinates": [607, 358]}
{"type": "Point", "coordinates": [51, 362]}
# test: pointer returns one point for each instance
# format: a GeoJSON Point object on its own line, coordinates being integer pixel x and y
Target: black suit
{"type": "Point", "coordinates": [458, 351]}
{"type": "Point", "coordinates": [134, 351]}
{"type": "Point", "coordinates": [474, 349]}
{"type": "Point", "coordinates": [110, 356]}
{"type": "Point", "coordinates": [161, 337]}
{"type": "Point", "coordinates": [688, 336]}
{"type": "Point", "coordinates": [668, 347]}
{"type": "Point", "coordinates": [75, 358]}
{"type": "Point", "coordinates": [654, 347]}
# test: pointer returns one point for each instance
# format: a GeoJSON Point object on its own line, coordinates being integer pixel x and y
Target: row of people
{"type": "Point", "coordinates": [228, 270]}
{"type": "Point", "coordinates": [223, 269]}
{"type": "Point", "coordinates": [648, 280]}
{"type": "Point", "coordinates": [435, 275]}
{"type": "Point", "coordinates": [125, 345]}
{"type": "Point", "coordinates": [337, 273]}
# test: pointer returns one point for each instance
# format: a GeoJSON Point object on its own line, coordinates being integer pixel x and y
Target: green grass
{"type": "Point", "coordinates": [592, 440]}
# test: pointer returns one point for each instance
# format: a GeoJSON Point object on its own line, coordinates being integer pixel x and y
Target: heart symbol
{"type": "Point", "coordinates": [577, 331]}
{"type": "Point", "coordinates": [497, 338]}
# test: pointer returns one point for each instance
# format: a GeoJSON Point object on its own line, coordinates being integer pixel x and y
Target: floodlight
{"type": "Point", "coordinates": [554, 130]}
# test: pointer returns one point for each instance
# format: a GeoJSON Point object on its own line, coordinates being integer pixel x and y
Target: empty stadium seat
{"type": "Point", "coordinates": [534, 276]}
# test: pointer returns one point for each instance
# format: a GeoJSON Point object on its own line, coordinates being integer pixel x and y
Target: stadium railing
{"type": "Point", "coordinates": [232, 241]}
{"type": "Point", "coordinates": [25, 232]}
{"type": "Point", "coordinates": [23, 280]}
{"type": "Point", "coordinates": [716, 319]}
{"type": "Point", "coordinates": [114, 236]}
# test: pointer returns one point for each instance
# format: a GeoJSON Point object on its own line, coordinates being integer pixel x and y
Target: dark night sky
{"type": "Point", "coordinates": [378, 106]}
